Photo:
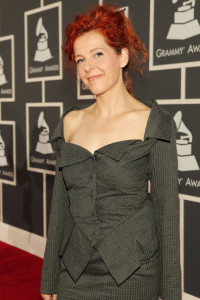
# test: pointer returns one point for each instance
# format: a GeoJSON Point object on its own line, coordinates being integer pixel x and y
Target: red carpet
{"type": "Point", "coordinates": [20, 274]}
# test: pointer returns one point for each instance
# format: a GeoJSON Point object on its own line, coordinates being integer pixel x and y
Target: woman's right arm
{"type": "Point", "coordinates": [51, 263]}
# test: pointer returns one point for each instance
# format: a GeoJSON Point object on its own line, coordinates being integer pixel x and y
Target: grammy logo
{"type": "Point", "coordinates": [185, 25]}
{"type": "Point", "coordinates": [186, 161]}
{"type": "Point", "coordinates": [2, 75]}
{"type": "Point", "coordinates": [42, 145]}
{"type": "Point", "coordinates": [3, 159]}
{"type": "Point", "coordinates": [43, 52]}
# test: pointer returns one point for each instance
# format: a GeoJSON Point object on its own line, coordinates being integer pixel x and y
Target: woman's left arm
{"type": "Point", "coordinates": [165, 200]}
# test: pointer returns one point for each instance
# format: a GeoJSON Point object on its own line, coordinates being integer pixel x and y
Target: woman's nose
{"type": "Point", "coordinates": [88, 65]}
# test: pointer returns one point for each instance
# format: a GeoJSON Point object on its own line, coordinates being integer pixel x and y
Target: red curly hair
{"type": "Point", "coordinates": [118, 31]}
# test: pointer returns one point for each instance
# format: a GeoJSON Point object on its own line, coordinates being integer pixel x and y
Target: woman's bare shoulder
{"type": "Point", "coordinates": [75, 114]}
{"type": "Point", "coordinates": [72, 120]}
{"type": "Point", "coordinates": [71, 117]}
{"type": "Point", "coordinates": [141, 109]}
{"type": "Point", "coordinates": [140, 106]}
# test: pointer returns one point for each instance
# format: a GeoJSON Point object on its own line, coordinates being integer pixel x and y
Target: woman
{"type": "Point", "coordinates": [107, 239]}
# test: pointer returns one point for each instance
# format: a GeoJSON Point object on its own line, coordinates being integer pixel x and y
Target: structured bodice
{"type": "Point", "coordinates": [107, 187]}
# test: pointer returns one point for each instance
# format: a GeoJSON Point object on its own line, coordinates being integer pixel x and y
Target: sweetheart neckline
{"type": "Point", "coordinates": [88, 104]}
{"type": "Point", "coordinates": [106, 145]}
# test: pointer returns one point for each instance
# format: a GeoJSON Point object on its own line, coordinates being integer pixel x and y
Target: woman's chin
{"type": "Point", "coordinates": [97, 92]}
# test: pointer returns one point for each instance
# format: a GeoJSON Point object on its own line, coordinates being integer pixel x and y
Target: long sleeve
{"type": "Point", "coordinates": [165, 200]}
{"type": "Point", "coordinates": [58, 213]}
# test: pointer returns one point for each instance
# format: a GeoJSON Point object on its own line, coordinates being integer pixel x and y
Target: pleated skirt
{"type": "Point", "coordinates": [96, 282]}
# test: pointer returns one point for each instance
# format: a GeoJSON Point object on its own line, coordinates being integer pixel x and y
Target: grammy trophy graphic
{"type": "Point", "coordinates": [2, 75]}
{"type": "Point", "coordinates": [186, 161]}
{"type": "Point", "coordinates": [43, 52]}
{"type": "Point", "coordinates": [3, 159]}
{"type": "Point", "coordinates": [42, 145]}
{"type": "Point", "coordinates": [185, 25]}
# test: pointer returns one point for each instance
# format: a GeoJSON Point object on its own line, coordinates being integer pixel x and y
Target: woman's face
{"type": "Point", "coordinates": [98, 65]}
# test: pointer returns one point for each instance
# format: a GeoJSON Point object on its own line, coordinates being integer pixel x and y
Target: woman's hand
{"type": "Point", "coordinates": [49, 297]}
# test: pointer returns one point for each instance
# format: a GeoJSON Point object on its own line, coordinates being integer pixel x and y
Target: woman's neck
{"type": "Point", "coordinates": [113, 102]}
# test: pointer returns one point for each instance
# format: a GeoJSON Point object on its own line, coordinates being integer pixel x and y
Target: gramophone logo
{"type": "Point", "coordinates": [186, 161]}
{"type": "Point", "coordinates": [2, 75]}
{"type": "Point", "coordinates": [3, 159]}
{"type": "Point", "coordinates": [185, 25]}
{"type": "Point", "coordinates": [42, 145]}
{"type": "Point", "coordinates": [43, 52]}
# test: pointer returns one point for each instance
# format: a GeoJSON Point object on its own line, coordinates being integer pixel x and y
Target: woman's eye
{"type": "Point", "coordinates": [99, 54]}
{"type": "Point", "coordinates": [79, 61]}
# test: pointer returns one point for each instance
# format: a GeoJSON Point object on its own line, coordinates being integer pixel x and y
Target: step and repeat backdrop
{"type": "Point", "coordinates": [35, 89]}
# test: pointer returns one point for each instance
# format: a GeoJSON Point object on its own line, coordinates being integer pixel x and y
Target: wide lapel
{"type": "Point", "coordinates": [159, 122]}
{"type": "Point", "coordinates": [71, 154]}
{"type": "Point", "coordinates": [116, 150]}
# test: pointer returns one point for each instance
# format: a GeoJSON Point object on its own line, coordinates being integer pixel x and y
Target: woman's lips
{"type": "Point", "coordinates": [91, 78]}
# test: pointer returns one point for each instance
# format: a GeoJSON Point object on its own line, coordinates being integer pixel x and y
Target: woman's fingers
{"type": "Point", "coordinates": [49, 297]}
{"type": "Point", "coordinates": [46, 297]}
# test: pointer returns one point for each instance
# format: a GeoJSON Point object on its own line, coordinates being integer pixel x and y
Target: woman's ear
{"type": "Point", "coordinates": [124, 57]}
